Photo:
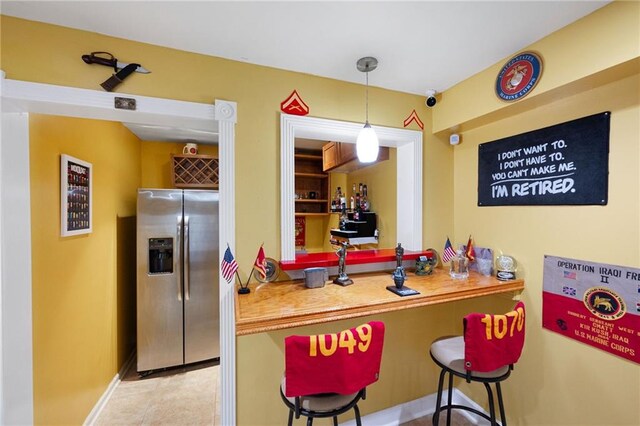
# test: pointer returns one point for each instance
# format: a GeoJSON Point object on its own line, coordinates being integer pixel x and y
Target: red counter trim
{"type": "Point", "coordinates": [357, 257]}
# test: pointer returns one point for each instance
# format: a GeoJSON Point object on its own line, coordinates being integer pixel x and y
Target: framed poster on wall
{"type": "Point", "coordinates": [75, 196]}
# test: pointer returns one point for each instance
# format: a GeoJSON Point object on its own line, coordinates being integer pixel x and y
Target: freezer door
{"type": "Point", "coordinates": [159, 287]}
{"type": "Point", "coordinates": [202, 258]}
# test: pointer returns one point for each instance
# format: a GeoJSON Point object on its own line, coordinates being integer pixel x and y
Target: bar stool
{"type": "Point", "coordinates": [486, 353]}
{"type": "Point", "coordinates": [327, 374]}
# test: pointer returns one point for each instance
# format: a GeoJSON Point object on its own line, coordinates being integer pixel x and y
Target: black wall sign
{"type": "Point", "coordinates": [558, 165]}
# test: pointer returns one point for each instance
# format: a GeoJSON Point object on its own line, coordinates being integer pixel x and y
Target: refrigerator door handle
{"type": "Point", "coordinates": [187, 284]}
{"type": "Point", "coordinates": [178, 256]}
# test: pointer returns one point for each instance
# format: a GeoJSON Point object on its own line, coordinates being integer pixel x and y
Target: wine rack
{"type": "Point", "coordinates": [194, 171]}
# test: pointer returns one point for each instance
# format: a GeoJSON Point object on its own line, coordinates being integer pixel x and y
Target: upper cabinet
{"type": "Point", "coordinates": [342, 157]}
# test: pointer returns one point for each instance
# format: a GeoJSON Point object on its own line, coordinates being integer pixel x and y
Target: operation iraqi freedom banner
{"type": "Point", "coordinates": [594, 303]}
{"type": "Point", "coordinates": [565, 164]}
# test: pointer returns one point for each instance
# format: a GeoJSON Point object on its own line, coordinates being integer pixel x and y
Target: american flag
{"type": "Point", "coordinates": [229, 266]}
{"type": "Point", "coordinates": [448, 252]}
{"type": "Point", "coordinates": [570, 275]}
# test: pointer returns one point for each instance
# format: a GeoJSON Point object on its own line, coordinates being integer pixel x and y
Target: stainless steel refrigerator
{"type": "Point", "coordinates": [177, 277]}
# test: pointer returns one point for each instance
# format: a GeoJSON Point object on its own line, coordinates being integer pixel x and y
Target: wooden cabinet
{"type": "Point", "coordinates": [342, 157]}
{"type": "Point", "coordinates": [311, 184]}
{"type": "Point", "coordinates": [194, 171]}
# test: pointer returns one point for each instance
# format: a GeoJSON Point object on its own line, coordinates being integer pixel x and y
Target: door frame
{"type": "Point", "coordinates": [20, 98]}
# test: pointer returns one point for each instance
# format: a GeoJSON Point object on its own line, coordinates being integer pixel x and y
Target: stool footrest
{"type": "Point", "coordinates": [462, 407]}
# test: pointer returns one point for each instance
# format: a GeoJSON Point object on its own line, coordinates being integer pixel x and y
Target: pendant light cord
{"type": "Point", "coordinates": [367, 94]}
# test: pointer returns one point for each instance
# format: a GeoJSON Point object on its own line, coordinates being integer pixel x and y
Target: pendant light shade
{"type": "Point", "coordinates": [367, 143]}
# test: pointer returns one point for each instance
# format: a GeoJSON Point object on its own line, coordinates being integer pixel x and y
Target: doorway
{"type": "Point", "coordinates": [18, 100]}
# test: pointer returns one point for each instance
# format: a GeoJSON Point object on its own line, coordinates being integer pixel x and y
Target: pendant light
{"type": "Point", "coordinates": [367, 142]}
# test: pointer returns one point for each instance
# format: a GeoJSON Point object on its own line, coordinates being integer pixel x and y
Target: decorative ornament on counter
{"type": "Point", "coordinates": [425, 264]}
{"type": "Point", "coordinates": [414, 117]}
{"type": "Point", "coordinates": [342, 278]}
{"type": "Point", "coordinates": [399, 288]}
{"type": "Point", "coordinates": [506, 268]}
{"type": "Point", "coordinates": [399, 267]}
{"type": "Point", "coordinates": [459, 266]}
{"type": "Point", "coordinates": [294, 105]}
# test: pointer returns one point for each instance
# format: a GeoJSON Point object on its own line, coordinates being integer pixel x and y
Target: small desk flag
{"type": "Point", "coordinates": [260, 263]}
{"type": "Point", "coordinates": [448, 252]}
{"type": "Point", "coordinates": [229, 266]}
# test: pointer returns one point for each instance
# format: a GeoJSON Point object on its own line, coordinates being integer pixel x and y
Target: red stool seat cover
{"type": "Point", "coordinates": [493, 341]}
{"type": "Point", "coordinates": [342, 363]}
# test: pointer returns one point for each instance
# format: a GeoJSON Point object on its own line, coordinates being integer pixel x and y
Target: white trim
{"type": "Point", "coordinates": [73, 102]}
{"type": "Point", "coordinates": [106, 396]}
{"type": "Point", "coordinates": [409, 173]}
{"type": "Point", "coordinates": [16, 346]}
{"type": "Point", "coordinates": [227, 235]}
{"type": "Point", "coordinates": [19, 96]}
{"type": "Point", "coordinates": [418, 408]}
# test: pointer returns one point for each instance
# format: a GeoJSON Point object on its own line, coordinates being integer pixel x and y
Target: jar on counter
{"type": "Point", "coordinates": [459, 269]}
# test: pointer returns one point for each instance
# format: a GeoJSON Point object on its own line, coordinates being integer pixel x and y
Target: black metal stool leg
{"type": "Point", "coordinates": [492, 409]}
{"type": "Point", "coordinates": [357, 410]}
{"type": "Point", "coordinates": [503, 418]}
{"type": "Point", "coordinates": [436, 415]}
{"type": "Point", "coordinates": [335, 420]}
{"type": "Point", "coordinates": [309, 421]}
{"type": "Point", "coordinates": [449, 398]}
{"type": "Point", "coordinates": [290, 422]}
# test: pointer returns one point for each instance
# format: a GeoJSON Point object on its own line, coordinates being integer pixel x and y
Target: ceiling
{"type": "Point", "coordinates": [420, 45]}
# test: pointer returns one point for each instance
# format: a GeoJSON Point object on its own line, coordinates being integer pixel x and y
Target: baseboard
{"type": "Point", "coordinates": [97, 409]}
{"type": "Point", "coordinates": [418, 408]}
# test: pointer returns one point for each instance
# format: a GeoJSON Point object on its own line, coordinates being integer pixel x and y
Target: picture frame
{"type": "Point", "coordinates": [76, 196]}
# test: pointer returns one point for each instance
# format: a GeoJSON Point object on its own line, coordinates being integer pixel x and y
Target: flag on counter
{"type": "Point", "coordinates": [448, 252]}
{"type": "Point", "coordinates": [470, 252]}
{"type": "Point", "coordinates": [260, 263]}
{"type": "Point", "coordinates": [229, 266]}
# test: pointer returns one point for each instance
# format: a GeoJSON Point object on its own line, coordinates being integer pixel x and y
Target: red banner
{"type": "Point", "coordinates": [593, 303]}
{"type": "Point", "coordinates": [300, 230]}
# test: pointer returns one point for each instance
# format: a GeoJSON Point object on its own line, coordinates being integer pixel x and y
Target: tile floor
{"type": "Point", "coordinates": [179, 396]}
{"type": "Point", "coordinates": [186, 396]}
{"type": "Point", "coordinates": [457, 419]}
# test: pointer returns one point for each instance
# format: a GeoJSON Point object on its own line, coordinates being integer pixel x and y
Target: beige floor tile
{"type": "Point", "coordinates": [179, 396]}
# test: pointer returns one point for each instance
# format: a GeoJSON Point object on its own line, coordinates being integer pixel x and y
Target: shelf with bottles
{"type": "Point", "coordinates": [356, 203]}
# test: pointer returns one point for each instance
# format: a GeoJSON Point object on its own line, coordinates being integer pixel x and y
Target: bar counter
{"type": "Point", "coordinates": [287, 304]}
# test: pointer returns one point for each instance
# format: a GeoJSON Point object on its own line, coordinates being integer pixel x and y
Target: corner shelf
{"type": "Point", "coordinates": [194, 171]}
{"type": "Point", "coordinates": [309, 178]}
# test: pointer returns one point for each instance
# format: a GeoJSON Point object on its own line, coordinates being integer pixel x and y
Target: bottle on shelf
{"type": "Point", "coordinates": [352, 203]}
{"type": "Point", "coordinates": [335, 203]}
{"type": "Point", "coordinates": [459, 268]}
{"type": "Point", "coordinates": [364, 201]}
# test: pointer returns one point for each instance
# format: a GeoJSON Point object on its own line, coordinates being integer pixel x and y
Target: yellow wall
{"type": "Point", "coordinates": [83, 286]}
{"type": "Point", "coordinates": [53, 56]}
{"type": "Point", "coordinates": [554, 373]}
{"type": "Point", "coordinates": [381, 181]}
{"type": "Point", "coordinates": [156, 162]}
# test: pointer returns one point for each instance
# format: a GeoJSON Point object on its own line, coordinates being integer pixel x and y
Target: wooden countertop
{"type": "Point", "coordinates": [286, 304]}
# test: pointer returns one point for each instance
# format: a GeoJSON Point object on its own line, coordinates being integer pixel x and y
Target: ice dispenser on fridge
{"type": "Point", "coordinates": [160, 255]}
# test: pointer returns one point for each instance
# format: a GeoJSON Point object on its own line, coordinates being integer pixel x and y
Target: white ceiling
{"type": "Point", "coordinates": [419, 45]}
